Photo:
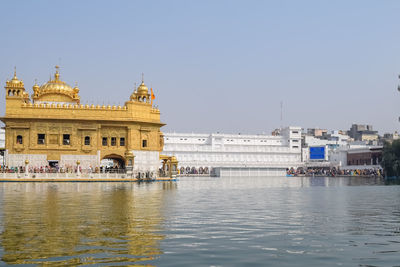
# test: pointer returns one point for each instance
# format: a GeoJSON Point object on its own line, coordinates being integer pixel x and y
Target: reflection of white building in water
{"type": "Point", "coordinates": [235, 154]}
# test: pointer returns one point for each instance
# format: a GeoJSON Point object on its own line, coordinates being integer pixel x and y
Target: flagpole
{"type": "Point", "coordinates": [152, 96]}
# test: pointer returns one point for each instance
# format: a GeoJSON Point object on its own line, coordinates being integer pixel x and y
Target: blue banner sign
{"type": "Point", "coordinates": [317, 152]}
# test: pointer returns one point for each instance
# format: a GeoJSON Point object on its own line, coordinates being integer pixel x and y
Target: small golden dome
{"type": "Point", "coordinates": [15, 82]}
{"type": "Point", "coordinates": [76, 88]}
{"type": "Point", "coordinates": [142, 89]}
{"type": "Point", "coordinates": [35, 87]}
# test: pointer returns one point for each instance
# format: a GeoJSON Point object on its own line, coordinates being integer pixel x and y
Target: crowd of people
{"type": "Point", "coordinates": [65, 169]}
{"type": "Point", "coordinates": [332, 172]}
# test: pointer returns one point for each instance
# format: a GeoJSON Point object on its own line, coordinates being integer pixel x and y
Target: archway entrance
{"type": "Point", "coordinates": [113, 163]}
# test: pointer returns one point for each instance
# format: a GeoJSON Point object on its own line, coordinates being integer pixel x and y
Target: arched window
{"type": "Point", "coordinates": [87, 140]}
{"type": "Point", "coordinates": [9, 92]}
{"type": "Point", "coordinates": [104, 141]}
{"type": "Point", "coordinates": [113, 141]}
{"type": "Point", "coordinates": [144, 99]}
{"type": "Point", "coordinates": [66, 139]}
{"type": "Point", "coordinates": [19, 139]}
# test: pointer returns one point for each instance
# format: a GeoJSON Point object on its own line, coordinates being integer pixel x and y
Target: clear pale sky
{"type": "Point", "coordinates": [217, 65]}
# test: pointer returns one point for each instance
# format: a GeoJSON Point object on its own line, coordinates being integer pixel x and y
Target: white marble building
{"type": "Point", "coordinates": [235, 154]}
{"type": "Point", "coordinates": [2, 138]}
{"type": "Point", "coordinates": [333, 144]}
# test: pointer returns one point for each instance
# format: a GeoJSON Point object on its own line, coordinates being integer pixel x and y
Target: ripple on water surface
{"type": "Point", "coordinates": [202, 221]}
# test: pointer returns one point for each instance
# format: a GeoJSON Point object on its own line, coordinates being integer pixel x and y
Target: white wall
{"type": "Point", "coordinates": [146, 161]}
{"type": "Point", "coordinates": [2, 138]}
{"type": "Point", "coordinates": [235, 150]}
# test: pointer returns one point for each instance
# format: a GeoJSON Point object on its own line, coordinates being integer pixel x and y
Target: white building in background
{"type": "Point", "coordinates": [235, 154]}
{"type": "Point", "coordinates": [333, 144]}
{"type": "Point", "coordinates": [341, 157]}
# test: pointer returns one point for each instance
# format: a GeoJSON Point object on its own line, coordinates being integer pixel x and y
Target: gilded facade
{"type": "Point", "coordinates": [52, 127]}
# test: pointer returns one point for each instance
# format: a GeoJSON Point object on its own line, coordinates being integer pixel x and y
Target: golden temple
{"type": "Point", "coordinates": [52, 128]}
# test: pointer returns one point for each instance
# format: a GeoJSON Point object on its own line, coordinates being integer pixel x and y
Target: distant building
{"type": "Point", "coordinates": [316, 132]}
{"type": "Point", "coordinates": [389, 137]}
{"type": "Point", "coordinates": [366, 157]}
{"type": "Point", "coordinates": [361, 132]}
{"type": "Point", "coordinates": [235, 154]}
{"type": "Point", "coordinates": [356, 155]}
{"type": "Point", "coordinates": [329, 142]}
{"type": "Point", "coordinates": [276, 132]}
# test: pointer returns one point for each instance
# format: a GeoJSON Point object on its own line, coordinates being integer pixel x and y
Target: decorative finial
{"type": "Point", "coordinates": [142, 77]}
{"type": "Point", "coordinates": [15, 71]}
{"type": "Point", "coordinates": [57, 75]}
{"type": "Point", "coordinates": [135, 86]}
{"type": "Point", "coordinates": [35, 81]}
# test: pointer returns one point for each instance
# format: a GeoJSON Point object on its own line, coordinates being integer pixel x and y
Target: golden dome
{"type": "Point", "coordinates": [56, 90]}
{"type": "Point", "coordinates": [142, 89]}
{"type": "Point", "coordinates": [15, 82]}
{"type": "Point", "coordinates": [56, 85]}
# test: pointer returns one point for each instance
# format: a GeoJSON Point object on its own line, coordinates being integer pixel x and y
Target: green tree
{"type": "Point", "coordinates": [391, 159]}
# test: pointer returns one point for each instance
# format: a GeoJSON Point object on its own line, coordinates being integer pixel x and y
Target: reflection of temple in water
{"type": "Point", "coordinates": [75, 223]}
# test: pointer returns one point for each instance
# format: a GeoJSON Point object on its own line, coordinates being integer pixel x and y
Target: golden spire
{"type": "Point", "coordinates": [57, 75]}
{"type": "Point", "coordinates": [15, 82]}
{"type": "Point", "coordinates": [35, 86]}
{"type": "Point", "coordinates": [15, 74]}
{"type": "Point", "coordinates": [142, 77]}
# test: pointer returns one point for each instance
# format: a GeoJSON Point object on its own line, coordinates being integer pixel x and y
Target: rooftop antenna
{"type": "Point", "coordinates": [281, 114]}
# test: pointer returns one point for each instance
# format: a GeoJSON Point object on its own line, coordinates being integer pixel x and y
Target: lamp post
{"type": "Point", "coordinates": [26, 168]}
{"type": "Point", "coordinates": [78, 172]}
